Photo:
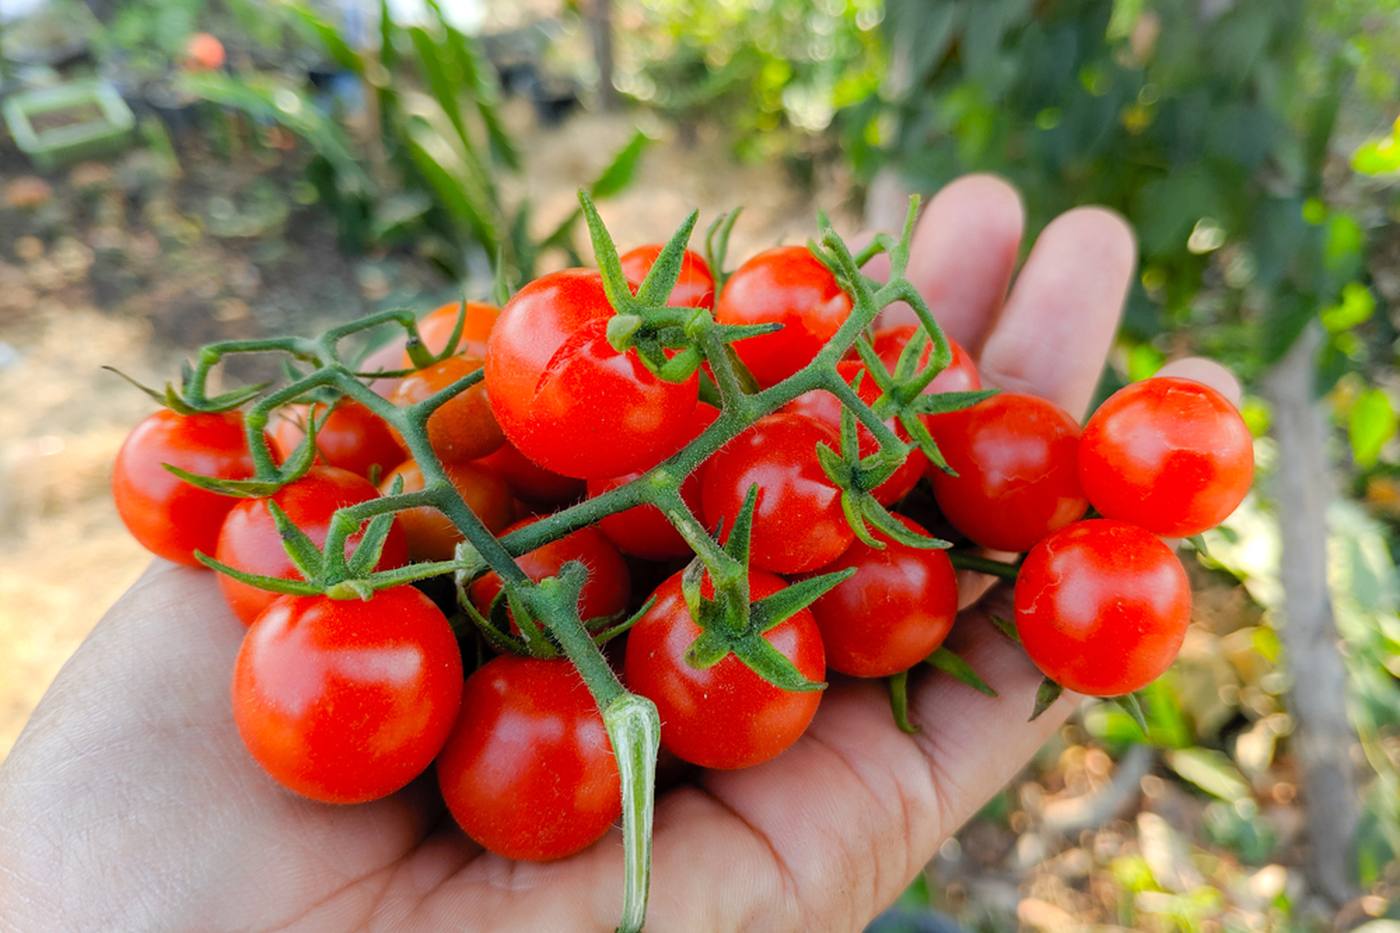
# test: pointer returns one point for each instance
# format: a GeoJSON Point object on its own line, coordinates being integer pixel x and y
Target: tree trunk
{"type": "Point", "coordinates": [1323, 738]}
{"type": "Point", "coordinates": [600, 27]}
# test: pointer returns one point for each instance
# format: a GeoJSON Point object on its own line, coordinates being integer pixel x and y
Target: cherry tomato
{"type": "Point", "coordinates": [798, 524]}
{"type": "Point", "coordinates": [1172, 455]}
{"type": "Point", "coordinates": [643, 531]}
{"type": "Point", "coordinates": [529, 481]}
{"type": "Point", "coordinates": [790, 286]}
{"type": "Point", "coordinates": [347, 700]}
{"type": "Point", "coordinates": [528, 771]}
{"type": "Point", "coordinates": [249, 540]}
{"type": "Point", "coordinates": [437, 325]}
{"type": "Point", "coordinates": [1102, 607]}
{"type": "Point", "coordinates": [960, 375]}
{"type": "Point", "coordinates": [724, 716]}
{"type": "Point", "coordinates": [351, 437]}
{"type": "Point", "coordinates": [695, 286]}
{"type": "Point", "coordinates": [169, 517]}
{"type": "Point", "coordinates": [824, 407]}
{"type": "Point", "coordinates": [431, 535]}
{"type": "Point", "coordinates": [893, 613]}
{"type": "Point", "coordinates": [463, 428]}
{"type": "Point", "coordinates": [607, 589]}
{"type": "Point", "coordinates": [565, 397]}
{"type": "Point", "coordinates": [1017, 480]}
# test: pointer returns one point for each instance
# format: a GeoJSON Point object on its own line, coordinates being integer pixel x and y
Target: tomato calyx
{"type": "Point", "coordinates": [421, 356]}
{"type": "Point", "coordinates": [730, 624]}
{"type": "Point", "coordinates": [177, 401]}
{"type": "Point", "coordinates": [717, 246]}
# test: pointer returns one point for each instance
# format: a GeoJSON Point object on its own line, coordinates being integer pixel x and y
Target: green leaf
{"type": "Point", "coordinates": [620, 172]}
{"type": "Point", "coordinates": [1357, 306]}
{"type": "Point", "coordinates": [1210, 770]}
{"type": "Point", "coordinates": [330, 38]}
{"type": "Point", "coordinates": [458, 188]}
{"type": "Point", "coordinates": [1045, 696]}
{"type": "Point", "coordinates": [1377, 156]}
{"type": "Point", "coordinates": [1006, 627]}
{"type": "Point", "coordinates": [952, 664]}
{"type": "Point", "coordinates": [1371, 424]}
{"type": "Point", "coordinates": [773, 610]}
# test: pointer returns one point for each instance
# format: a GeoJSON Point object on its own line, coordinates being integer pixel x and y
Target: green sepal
{"type": "Point", "coordinates": [1045, 696]}
{"type": "Point", "coordinates": [499, 638]}
{"type": "Point", "coordinates": [772, 611]}
{"type": "Point", "coordinates": [873, 364]}
{"type": "Point", "coordinates": [717, 246]}
{"type": "Point", "coordinates": [899, 702]}
{"type": "Point", "coordinates": [608, 634]}
{"type": "Point", "coordinates": [908, 363]}
{"type": "Point", "coordinates": [707, 650]}
{"type": "Point", "coordinates": [737, 544]}
{"type": "Point", "coordinates": [836, 468]}
{"type": "Point", "coordinates": [854, 515]}
{"type": "Point", "coordinates": [691, 582]}
{"type": "Point", "coordinates": [272, 584]}
{"type": "Point", "coordinates": [941, 403]}
{"type": "Point", "coordinates": [660, 280]}
{"type": "Point", "coordinates": [1005, 626]}
{"type": "Point", "coordinates": [1129, 703]}
{"type": "Point", "coordinates": [732, 332]}
{"type": "Point", "coordinates": [955, 666]}
{"type": "Point", "coordinates": [306, 557]}
{"type": "Point", "coordinates": [889, 526]}
{"type": "Point", "coordinates": [919, 434]}
{"type": "Point", "coordinates": [371, 545]}
{"type": "Point", "coordinates": [172, 399]}
{"type": "Point", "coordinates": [759, 656]}
{"type": "Point", "coordinates": [682, 366]}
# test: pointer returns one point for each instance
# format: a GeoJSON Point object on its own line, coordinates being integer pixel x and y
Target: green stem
{"type": "Point", "coordinates": [997, 568]}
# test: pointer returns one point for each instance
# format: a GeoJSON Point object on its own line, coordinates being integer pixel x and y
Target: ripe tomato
{"type": "Point", "coordinates": [798, 524]}
{"type": "Point", "coordinates": [1172, 455]}
{"type": "Point", "coordinates": [824, 407]}
{"type": "Point", "coordinates": [565, 397]}
{"type": "Point", "coordinates": [169, 517]}
{"type": "Point", "coordinates": [893, 613]}
{"type": "Point", "coordinates": [695, 286]}
{"type": "Point", "coordinates": [643, 531]}
{"type": "Point", "coordinates": [528, 771]}
{"type": "Point", "coordinates": [529, 481]}
{"type": "Point", "coordinates": [249, 540]}
{"type": "Point", "coordinates": [960, 375]}
{"type": "Point", "coordinates": [436, 326]}
{"type": "Point", "coordinates": [609, 583]}
{"type": "Point", "coordinates": [346, 701]}
{"type": "Point", "coordinates": [463, 428]}
{"type": "Point", "coordinates": [790, 286]}
{"type": "Point", "coordinates": [431, 535]}
{"type": "Point", "coordinates": [1102, 607]}
{"type": "Point", "coordinates": [351, 437]}
{"type": "Point", "coordinates": [1017, 480]}
{"type": "Point", "coordinates": [724, 716]}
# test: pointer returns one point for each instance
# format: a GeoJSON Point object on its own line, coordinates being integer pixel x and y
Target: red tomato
{"type": "Point", "coordinates": [528, 771]}
{"type": "Point", "coordinates": [1172, 455]}
{"type": "Point", "coordinates": [351, 437]}
{"type": "Point", "coordinates": [531, 482]}
{"type": "Point", "coordinates": [249, 540]}
{"type": "Point", "coordinates": [643, 531]}
{"type": "Point", "coordinates": [431, 535]}
{"type": "Point", "coordinates": [798, 524]}
{"type": "Point", "coordinates": [169, 517]}
{"type": "Point", "coordinates": [347, 700]}
{"type": "Point", "coordinates": [463, 428]}
{"type": "Point", "coordinates": [725, 716]}
{"type": "Point", "coordinates": [437, 326]}
{"type": "Point", "coordinates": [824, 407]}
{"type": "Point", "coordinates": [608, 586]}
{"type": "Point", "coordinates": [565, 397]}
{"type": "Point", "coordinates": [695, 286]}
{"type": "Point", "coordinates": [893, 613]}
{"type": "Point", "coordinates": [1017, 480]}
{"type": "Point", "coordinates": [960, 375]}
{"type": "Point", "coordinates": [790, 286]}
{"type": "Point", "coordinates": [1102, 607]}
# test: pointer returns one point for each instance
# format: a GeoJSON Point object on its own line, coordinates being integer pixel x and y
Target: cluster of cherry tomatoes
{"type": "Point", "coordinates": [347, 700]}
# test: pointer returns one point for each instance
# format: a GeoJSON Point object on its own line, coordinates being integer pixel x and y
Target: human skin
{"type": "Point", "coordinates": [129, 802]}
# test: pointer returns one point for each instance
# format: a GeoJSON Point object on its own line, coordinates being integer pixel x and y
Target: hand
{"type": "Point", "coordinates": [129, 801]}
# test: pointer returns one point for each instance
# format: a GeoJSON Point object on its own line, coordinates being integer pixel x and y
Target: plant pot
{"type": "Point", "coordinates": [68, 123]}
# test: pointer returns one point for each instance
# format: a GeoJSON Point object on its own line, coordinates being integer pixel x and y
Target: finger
{"type": "Point", "coordinates": [1206, 371]}
{"type": "Point", "coordinates": [1054, 333]}
{"type": "Point", "coordinates": [962, 256]}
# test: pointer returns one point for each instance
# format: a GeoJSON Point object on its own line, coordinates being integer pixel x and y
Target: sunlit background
{"type": "Point", "coordinates": [179, 171]}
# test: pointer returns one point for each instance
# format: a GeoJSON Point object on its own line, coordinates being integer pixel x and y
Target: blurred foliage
{"type": "Point", "coordinates": [427, 172]}
{"type": "Point", "coordinates": [774, 73]}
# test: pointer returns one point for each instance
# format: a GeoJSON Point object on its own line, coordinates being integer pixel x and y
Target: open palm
{"type": "Point", "coordinates": [129, 802]}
